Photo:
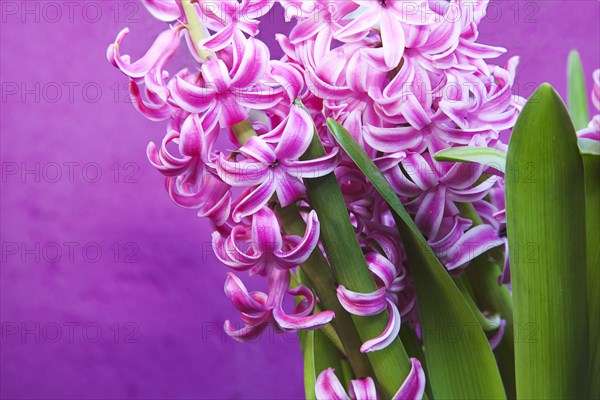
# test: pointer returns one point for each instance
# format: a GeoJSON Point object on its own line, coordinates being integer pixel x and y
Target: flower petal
{"type": "Point", "coordinates": [388, 335]}
{"type": "Point", "coordinates": [413, 387]}
{"type": "Point", "coordinates": [328, 386]}
{"type": "Point", "coordinates": [362, 304]}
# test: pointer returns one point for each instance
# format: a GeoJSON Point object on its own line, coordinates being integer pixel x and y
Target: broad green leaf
{"type": "Point", "coordinates": [459, 359]}
{"type": "Point", "coordinates": [578, 104]}
{"type": "Point", "coordinates": [546, 226]}
{"type": "Point", "coordinates": [390, 365]}
{"type": "Point", "coordinates": [483, 155]}
{"type": "Point", "coordinates": [591, 166]}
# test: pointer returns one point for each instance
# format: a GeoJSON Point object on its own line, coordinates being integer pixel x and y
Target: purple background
{"type": "Point", "coordinates": [162, 290]}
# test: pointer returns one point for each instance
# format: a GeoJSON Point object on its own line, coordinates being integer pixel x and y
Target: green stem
{"type": "Point", "coordinates": [483, 273]}
{"type": "Point", "coordinates": [195, 28]}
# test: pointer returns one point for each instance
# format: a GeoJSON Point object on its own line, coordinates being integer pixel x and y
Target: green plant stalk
{"type": "Point", "coordinates": [483, 274]}
{"type": "Point", "coordinates": [591, 166]}
{"type": "Point", "coordinates": [390, 365]}
{"type": "Point", "coordinates": [194, 27]}
{"type": "Point", "coordinates": [546, 224]}
{"type": "Point", "coordinates": [322, 280]}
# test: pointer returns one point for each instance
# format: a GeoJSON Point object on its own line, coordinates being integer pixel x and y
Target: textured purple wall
{"type": "Point", "coordinates": [107, 290]}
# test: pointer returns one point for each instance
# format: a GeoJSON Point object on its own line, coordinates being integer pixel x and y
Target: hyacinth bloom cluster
{"type": "Point", "coordinates": [406, 79]}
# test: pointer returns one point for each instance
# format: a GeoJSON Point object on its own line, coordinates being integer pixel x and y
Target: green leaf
{"type": "Point", "coordinates": [578, 104]}
{"type": "Point", "coordinates": [459, 359]}
{"type": "Point", "coordinates": [390, 365]}
{"type": "Point", "coordinates": [483, 155]}
{"type": "Point", "coordinates": [591, 166]}
{"type": "Point", "coordinates": [546, 223]}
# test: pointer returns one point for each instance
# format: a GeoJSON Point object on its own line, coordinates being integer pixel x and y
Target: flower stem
{"type": "Point", "coordinates": [194, 27]}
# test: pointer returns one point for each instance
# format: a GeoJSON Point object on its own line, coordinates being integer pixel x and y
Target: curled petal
{"type": "Point", "coordinates": [190, 97]}
{"type": "Point", "coordinates": [296, 136]}
{"type": "Point", "coordinates": [473, 243]}
{"type": "Point", "coordinates": [304, 248]}
{"type": "Point", "coordinates": [239, 296]}
{"type": "Point", "coordinates": [164, 10]}
{"type": "Point", "coordinates": [381, 267]}
{"type": "Point", "coordinates": [363, 304]}
{"type": "Point", "coordinates": [316, 167]}
{"type": "Point", "coordinates": [363, 389]}
{"type": "Point", "coordinates": [389, 333]}
{"type": "Point", "coordinates": [293, 322]}
{"type": "Point", "coordinates": [154, 112]}
{"type": "Point", "coordinates": [163, 47]}
{"type": "Point", "coordinates": [244, 334]}
{"type": "Point", "coordinates": [329, 387]}
{"type": "Point", "coordinates": [392, 139]}
{"type": "Point", "coordinates": [266, 233]}
{"type": "Point", "coordinates": [414, 384]}
{"type": "Point", "coordinates": [252, 201]}
{"type": "Point", "coordinates": [253, 64]}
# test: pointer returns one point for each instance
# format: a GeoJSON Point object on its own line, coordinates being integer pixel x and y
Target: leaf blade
{"type": "Point", "coordinates": [578, 104]}
{"type": "Point", "coordinates": [545, 214]}
{"type": "Point", "coordinates": [493, 158]}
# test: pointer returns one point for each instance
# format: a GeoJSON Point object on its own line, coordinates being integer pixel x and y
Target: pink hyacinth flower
{"type": "Point", "coordinates": [229, 18]}
{"type": "Point", "coordinates": [259, 310]}
{"type": "Point", "coordinates": [229, 93]}
{"type": "Point", "coordinates": [390, 15]}
{"type": "Point", "coordinates": [262, 247]}
{"type": "Point", "coordinates": [270, 168]}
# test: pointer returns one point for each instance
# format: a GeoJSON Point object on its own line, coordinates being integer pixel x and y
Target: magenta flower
{"type": "Point", "coordinates": [229, 18]}
{"type": "Point", "coordinates": [259, 310]}
{"type": "Point", "coordinates": [272, 166]}
{"type": "Point", "coordinates": [261, 247]}
{"type": "Point", "coordinates": [229, 92]}
{"type": "Point", "coordinates": [329, 387]}
{"type": "Point", "coordinates": [390, 15]}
